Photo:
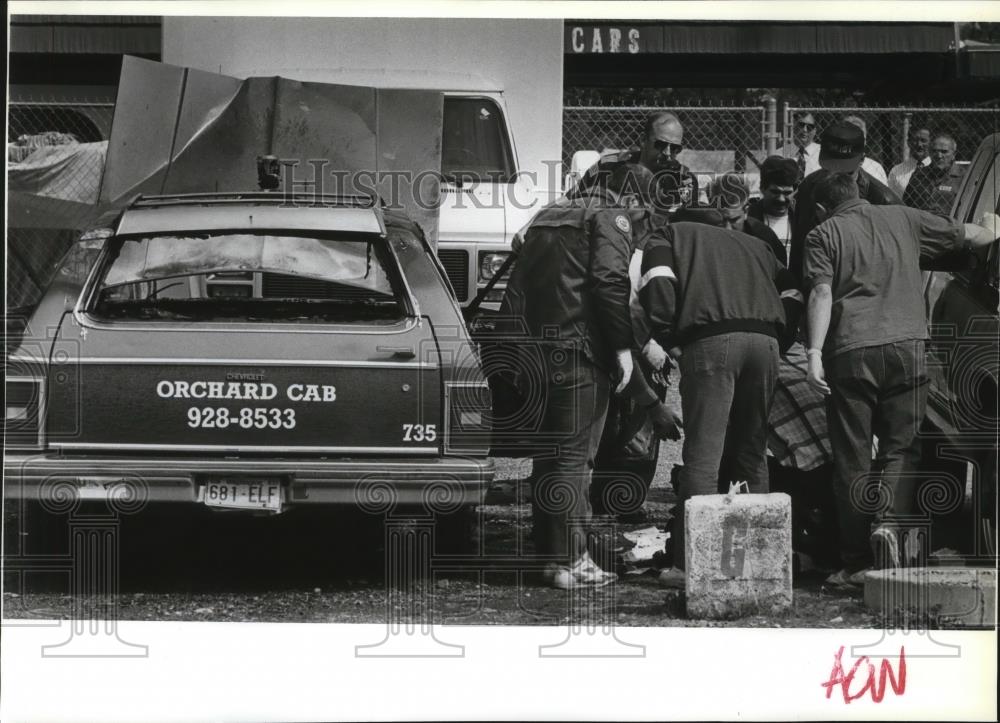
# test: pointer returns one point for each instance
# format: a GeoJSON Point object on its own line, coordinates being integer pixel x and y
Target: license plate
{"type": "Point", "coordinates": [243, 494]}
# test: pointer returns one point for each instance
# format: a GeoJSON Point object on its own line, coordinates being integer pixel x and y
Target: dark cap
{"type": "Point", "coordinates": [699, 214]}
{"type": "Point", "coordinates": [779, 171]}
{"type": "Point", "coordinates": [842, 148]}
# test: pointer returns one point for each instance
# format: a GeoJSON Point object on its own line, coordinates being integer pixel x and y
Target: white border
{"type": "Point", "coordinates": [310, 672]}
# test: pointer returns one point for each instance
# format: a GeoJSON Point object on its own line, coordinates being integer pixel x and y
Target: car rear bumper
{"type": "Point", "coordinates": [439, 484]}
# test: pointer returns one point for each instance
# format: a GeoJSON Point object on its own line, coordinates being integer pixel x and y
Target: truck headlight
{"type": "Point", "coordinates": [490, 263]}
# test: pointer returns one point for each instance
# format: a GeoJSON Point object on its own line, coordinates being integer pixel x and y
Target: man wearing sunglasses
{"type": "Point", "coordinates": [662, 141]}
{"type": "Point", "coordinates": [804, 150]}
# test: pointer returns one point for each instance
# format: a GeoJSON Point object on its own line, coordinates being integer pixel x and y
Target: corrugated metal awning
{"type": "Point", "coordinates": [95, 34]}
{"type": "Point", "coordinates": [982, 61]}
{"type": "Point", "coordinates": [608, 37]}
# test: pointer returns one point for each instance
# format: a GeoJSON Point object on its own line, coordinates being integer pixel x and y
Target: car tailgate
{"type": "Point", "coordinates": [355, 389]}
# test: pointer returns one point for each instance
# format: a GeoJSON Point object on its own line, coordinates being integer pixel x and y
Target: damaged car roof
{"type": "Point", "coordinates": [248, 212]}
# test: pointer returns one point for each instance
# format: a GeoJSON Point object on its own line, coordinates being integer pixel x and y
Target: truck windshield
{"type": "Point", "coordinates": [248, 277]}
{"type": "Point", "coordinates": [474, 142]}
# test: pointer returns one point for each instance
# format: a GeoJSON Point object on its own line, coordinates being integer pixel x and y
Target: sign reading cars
{"type": "Point", "coordinates": [607, 39]}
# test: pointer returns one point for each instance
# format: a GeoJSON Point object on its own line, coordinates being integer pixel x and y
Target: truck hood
{"type": "Point", "coordinates": [182, 130]}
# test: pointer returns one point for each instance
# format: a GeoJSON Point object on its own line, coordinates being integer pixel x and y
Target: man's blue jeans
{"type": "Point", "coordinates": [881, 391]}
{"type": "Point", "coordinates": [727, 382]}
{"type": "Point", "coordinates": [576, 404]}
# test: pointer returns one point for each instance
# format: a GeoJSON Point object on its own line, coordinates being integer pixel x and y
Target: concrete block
{"type": "Point", "coordinates": [935, 596]}
{"type": "Point", "coordinates": [738, 555]}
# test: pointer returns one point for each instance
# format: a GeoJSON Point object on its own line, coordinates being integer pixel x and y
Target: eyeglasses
{"type": "Point", "coordinates": [807, 126]}
{"type": "Point", "coordinates": [661, 146]}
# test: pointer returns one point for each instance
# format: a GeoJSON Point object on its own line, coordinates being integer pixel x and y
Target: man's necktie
{"type": "Point", "coordinates": [802, 162]}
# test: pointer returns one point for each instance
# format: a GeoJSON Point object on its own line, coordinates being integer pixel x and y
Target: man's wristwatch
{"type": "Point", "coordinates": [814, 352]}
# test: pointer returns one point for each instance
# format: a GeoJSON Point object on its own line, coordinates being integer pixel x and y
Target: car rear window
{"type": "Point", "coordinates": [249, 277]}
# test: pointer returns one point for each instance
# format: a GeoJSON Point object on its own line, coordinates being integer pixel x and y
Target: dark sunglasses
{"type": "Point", "coordinates": [807, 126]}
{"type": "Point", "coordinates": [661, 146]}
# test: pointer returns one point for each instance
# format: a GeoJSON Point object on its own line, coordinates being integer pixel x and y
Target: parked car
{"type": "Point", "coordinates": [249, 351]}
{"type": "Point", "coordinates": [963, 356]}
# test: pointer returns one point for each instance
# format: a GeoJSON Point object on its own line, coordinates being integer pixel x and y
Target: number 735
{"type": "Point", "coordinates": [419, 432]}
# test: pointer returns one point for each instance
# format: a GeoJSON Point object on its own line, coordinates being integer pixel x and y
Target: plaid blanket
{"type": "Point", "coordinates": [796, 435]}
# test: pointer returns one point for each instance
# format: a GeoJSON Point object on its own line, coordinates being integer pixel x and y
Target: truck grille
{"type": "Point", "coordinates": [456, 266]}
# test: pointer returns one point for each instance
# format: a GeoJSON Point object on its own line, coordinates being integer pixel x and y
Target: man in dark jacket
{"type": "Point", "coordinates": [934, 187]}
{"type": "Point", "coordinates": [779, 177]}
{"type": "Point", "coordinates": [715, 294]}
{"type": "Point", "coordinates": [729, 195]}
{"type": "Point", "coordinates": [570, 288]}
{"type": "Point", "coordinates": [842, 150]}
{"type": "Point", "coordinates": [662, 141]}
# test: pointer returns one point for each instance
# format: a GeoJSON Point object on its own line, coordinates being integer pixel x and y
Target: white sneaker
{"type": "Point", "coordinates": [584, 573]}
{"type": "Point", "coordinates": [587, 565]}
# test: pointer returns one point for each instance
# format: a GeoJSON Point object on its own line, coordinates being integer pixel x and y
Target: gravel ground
{"type": "Point", "coordinates": [198, 566]}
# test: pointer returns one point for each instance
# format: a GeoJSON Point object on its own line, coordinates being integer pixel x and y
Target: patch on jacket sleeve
{"type": "Point", "coordinates": [621, 221]}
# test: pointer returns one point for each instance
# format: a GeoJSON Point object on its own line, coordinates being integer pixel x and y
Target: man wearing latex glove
{"type": "Point", "coordinates": [666, 422]}
{"type": "Point", "coordinates": [867, 329]}
{"type": "Point", "coordinates": [714, 293]}
{"type": "Point", "coordinates": [570, 288]}
{"type": "Point", "coordinates": [637, 418]}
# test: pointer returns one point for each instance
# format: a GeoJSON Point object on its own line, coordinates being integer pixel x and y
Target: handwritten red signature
{"type": "Point", "coordinates": [877, 690]}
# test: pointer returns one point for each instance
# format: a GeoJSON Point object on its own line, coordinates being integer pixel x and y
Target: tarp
{"type": "Point", "coordinates": [69, 172]}
{"type": "Point", "coordinates": [182, 130]}
{"type": "Point", "coordinates": [52, 187]}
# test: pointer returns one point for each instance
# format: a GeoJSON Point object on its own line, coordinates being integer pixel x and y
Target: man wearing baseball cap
{"type": "Point", "coordinates": [842, 150]}
{"type": "Point", "coordinates": [867, 330]}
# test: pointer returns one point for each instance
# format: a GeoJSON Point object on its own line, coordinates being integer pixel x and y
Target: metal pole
{"type": "Point", "coordinates": [904, 146]}
{"type": "Point", "coordinates": [786, 123]}
{"type": "Point", "coordinates": [771, 126]}
{"type": "Point", "coordinates": [958, 50]}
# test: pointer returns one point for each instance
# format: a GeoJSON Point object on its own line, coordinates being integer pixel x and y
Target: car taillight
{"type": "Point", "coordinates": [467, 418]}
{"type": "Point", "coordinates": [22, 412]}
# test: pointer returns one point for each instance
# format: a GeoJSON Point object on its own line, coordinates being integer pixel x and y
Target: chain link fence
{"type": "Point", "coordinates": [716, 138]}
{"type": "Point", "coordinates": [55, 160]}
{"type": "Point", "coordinates": [887, 128]}
{"type": "Point", "coordinates": [719, 138]}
